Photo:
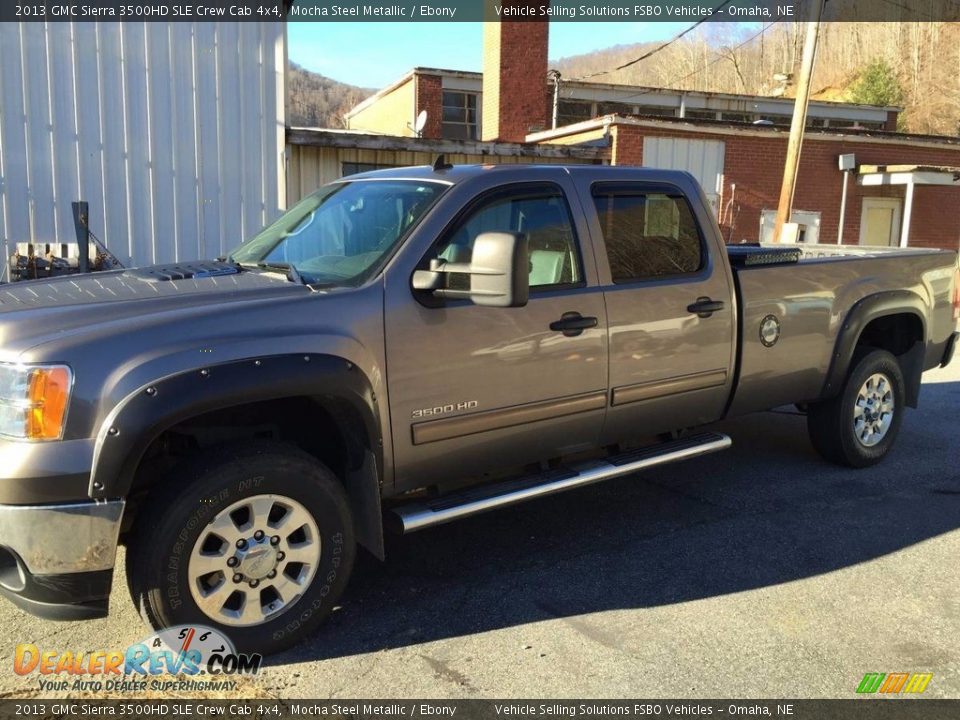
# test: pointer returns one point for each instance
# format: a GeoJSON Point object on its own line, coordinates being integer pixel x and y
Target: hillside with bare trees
{"type": "Point", "coordinates": [315, 100]}
{"type": "Point", "coordinates": [912, 64]}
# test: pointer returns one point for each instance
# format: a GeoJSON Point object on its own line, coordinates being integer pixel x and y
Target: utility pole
{"type": "Point", "coordinates": [799, 121]}
{"type": "Point", "coordinates": [555, 76]}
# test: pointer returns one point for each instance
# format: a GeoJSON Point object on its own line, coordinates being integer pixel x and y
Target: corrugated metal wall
{"type": "Point", "coordinates": [311, 166]}
{"type": "Point", "coordinates": [174, 133]}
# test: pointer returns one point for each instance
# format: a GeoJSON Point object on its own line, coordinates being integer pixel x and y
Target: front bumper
{"type": "Point", "coordinates": [57, 560]}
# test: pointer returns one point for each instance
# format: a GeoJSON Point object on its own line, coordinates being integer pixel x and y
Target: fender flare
{"type": "Point", "coordinates": [143, 415]}
{"type": "Point", "coordinates": [863, 312]}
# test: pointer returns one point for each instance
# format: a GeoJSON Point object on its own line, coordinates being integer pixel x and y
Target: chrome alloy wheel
{"type": "Point", "coordinates": [254, 560]}
{"type": "Point", "coordinates": [873, 412]}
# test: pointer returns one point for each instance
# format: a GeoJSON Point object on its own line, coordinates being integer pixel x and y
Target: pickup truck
{"type": "Point", "coordinates": [410, 346]}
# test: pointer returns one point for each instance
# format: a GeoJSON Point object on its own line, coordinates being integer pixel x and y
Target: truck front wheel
{"type": "Point", "coordinates": [858, 427]}
{"type": "Point", "coordinates": [256, 542]}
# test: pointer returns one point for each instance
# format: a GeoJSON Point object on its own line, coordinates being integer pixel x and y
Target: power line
{"type": "Point", "coordinates": [914, 11]}
{"type": "Point", "coordinates": [665, 45]}
{"type": "Point", "coordinates": [672, 83]}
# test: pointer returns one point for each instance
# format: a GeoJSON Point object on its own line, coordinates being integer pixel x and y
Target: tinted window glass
{"type": "Point", "coordinates": [648, 234]}
{"type": "Point", "coordinates": [542, 214]}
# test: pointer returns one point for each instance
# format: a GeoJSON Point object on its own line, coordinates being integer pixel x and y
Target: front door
{"type": "Point", "coordinates": [670, 311]}
{"type": "Point", "coordinates": [474, 389]}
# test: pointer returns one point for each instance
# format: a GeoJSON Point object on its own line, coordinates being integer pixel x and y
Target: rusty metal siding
{"type": "Point", "coordinates": [173, 132]}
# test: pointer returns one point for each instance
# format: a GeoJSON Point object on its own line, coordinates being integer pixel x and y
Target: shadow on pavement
{"type": "Point", "coordinates": [767, 512]}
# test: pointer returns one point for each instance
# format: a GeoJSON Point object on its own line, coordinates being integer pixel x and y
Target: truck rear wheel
{"type": "Point", "coordinates": [858, 427]}
{"type": "Point", "coordinates": [254, 541]}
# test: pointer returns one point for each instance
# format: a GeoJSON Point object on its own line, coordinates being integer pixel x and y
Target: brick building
{"type": "Point", "coordinates": [902, 189]}
{"type": "Point", "coordinates": [744, 183]}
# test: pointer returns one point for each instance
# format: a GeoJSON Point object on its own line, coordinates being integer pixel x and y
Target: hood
{"type": "Point", "coordinates": [34, 311]}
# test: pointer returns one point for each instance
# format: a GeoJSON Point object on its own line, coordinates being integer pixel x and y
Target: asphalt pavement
{"type": "Point", "coordinates": [758, 572]}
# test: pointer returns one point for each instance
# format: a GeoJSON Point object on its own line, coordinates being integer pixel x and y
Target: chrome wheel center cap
{"type": "Point", "coordinates": [258, 561]}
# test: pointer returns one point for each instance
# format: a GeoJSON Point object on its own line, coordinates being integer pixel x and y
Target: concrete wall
{"type": "Point", "coordinates": [173, 132]}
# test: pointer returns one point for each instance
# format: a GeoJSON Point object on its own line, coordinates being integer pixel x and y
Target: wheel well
{"type": "Point", "coordinates": [902, 335]}
{"type": "Point", "coordinates": [325, 428]}
{"type": "Point", "coordinates": [897, 334]}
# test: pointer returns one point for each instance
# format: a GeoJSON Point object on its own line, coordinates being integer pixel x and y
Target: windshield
{"type": "Point", "coordinates": [341, 233]}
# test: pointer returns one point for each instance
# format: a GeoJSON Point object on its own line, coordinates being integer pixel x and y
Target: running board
{"type": "Point", "coordinates": [423, 514]}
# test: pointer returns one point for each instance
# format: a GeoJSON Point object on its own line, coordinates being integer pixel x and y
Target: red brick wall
{"type": "Point", "coordinates": [755, 166]}
{"type": "Point", "coordinates": [514, 77]}
{"type": "Point", "coordinates": [429, 97]}
{"type": "Point", "coordinates": [626, 145]}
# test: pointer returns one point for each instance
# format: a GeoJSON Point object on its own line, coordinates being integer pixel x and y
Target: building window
{"type": "Point", "coordinates": [736, 117]}
{"type": "Point", "coordinates": [655, 111]}
{"type": "Point", "coordinates": [778, 120]}
{"type": "Point", "coordinates": [572, 111]}
{"type": "Point", "coordinates": [701, 115]}
{"type": "Point", "coordinates": [614, 108]}
{"type": "Point", "coordinates": [460, 120]}
{"type": "Point", "coordinates": [352, 168]}
{"type": "Point", "coordinates": [647, 234]}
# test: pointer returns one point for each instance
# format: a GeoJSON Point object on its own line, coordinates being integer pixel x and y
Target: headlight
{"type": "Point", "coordinates": [33, 400]}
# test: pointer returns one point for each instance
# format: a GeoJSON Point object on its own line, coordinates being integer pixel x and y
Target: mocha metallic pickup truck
{"type": "Point", "coordinates": [406, 347]}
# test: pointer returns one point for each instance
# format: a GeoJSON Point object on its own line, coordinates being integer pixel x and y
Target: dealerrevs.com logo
{"type": "Point", "coordinates": [173, 659]}
{"type": "Point", "coordinates": [894, 683]}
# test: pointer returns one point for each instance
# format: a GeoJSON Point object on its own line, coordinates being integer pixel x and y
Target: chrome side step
{"type": "Point", "coordinates": [423, 514]}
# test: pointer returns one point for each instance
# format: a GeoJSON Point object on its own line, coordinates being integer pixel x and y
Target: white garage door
{"type": "Point", "coordinates": [701, 158]}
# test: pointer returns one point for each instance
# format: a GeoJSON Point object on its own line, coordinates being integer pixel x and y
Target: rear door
{"type": "Point", "coordinates": [476, 389]}
{"type": "Point", "coordinates": [670, 305]}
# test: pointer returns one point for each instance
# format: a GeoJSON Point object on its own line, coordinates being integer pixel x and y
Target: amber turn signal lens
{"type": "Point", "coordinates": [48, 392]}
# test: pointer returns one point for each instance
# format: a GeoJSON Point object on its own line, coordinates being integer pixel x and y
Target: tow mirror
{"type": "Point", "coordinates": [499, 272]}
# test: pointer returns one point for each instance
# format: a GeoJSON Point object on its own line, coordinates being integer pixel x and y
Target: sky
{"type": "Point", "coordinates": [373, 54]}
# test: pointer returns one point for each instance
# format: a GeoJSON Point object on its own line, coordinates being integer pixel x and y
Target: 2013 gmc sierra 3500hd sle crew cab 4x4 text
{"type": "Point", "coordinates": [406, 347]}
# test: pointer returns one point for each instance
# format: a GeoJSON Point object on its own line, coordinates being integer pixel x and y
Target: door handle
{"type": "Point", "coordinates": [572, 324]}
{"type": "Point", "coordinates": [705, 307]}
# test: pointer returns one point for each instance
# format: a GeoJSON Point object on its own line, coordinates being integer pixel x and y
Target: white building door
{"type": "Point", "coordinates": [880, 222]}
{"type": "Point", "coordinates": [701, 158]}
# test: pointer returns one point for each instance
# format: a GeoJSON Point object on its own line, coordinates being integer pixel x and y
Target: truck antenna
{"type": "Point", "coordinates": [441, 164]}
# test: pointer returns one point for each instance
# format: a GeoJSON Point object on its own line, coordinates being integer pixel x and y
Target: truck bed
{"type": "Point", "coordinates": [809, 290]}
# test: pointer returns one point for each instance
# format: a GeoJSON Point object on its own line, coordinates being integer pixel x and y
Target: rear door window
{"type": "Point", "coordinates": [649, 233]}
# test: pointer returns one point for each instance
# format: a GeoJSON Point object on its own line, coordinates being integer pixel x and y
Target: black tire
{"type": "Point", "coordinates": [173, 518]}
{"type": "Point", "coordinates": [831, 422]}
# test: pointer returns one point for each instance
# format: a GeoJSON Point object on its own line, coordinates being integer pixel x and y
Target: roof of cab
{"type": "Point", "coordinates": [454, 174]}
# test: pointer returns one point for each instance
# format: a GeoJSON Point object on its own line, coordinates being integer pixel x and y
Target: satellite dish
{"type": "Point", "coordinates": [420, 123]}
